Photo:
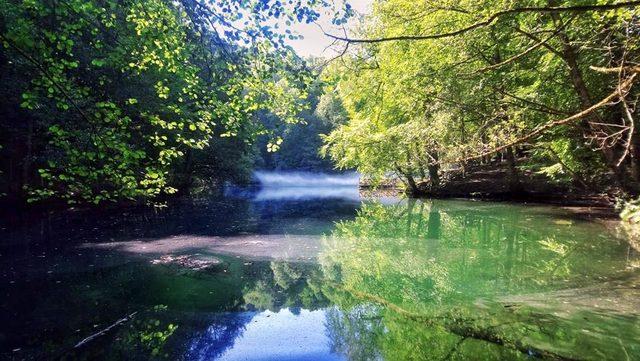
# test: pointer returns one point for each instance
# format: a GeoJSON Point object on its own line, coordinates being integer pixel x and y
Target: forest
{"type": "Point", "coordinates": [319, 179]}
{"type": "Point", "coordinates": [134, 101]}
{"type": "Point", "coordinates": [543, 92]}
{"type": "Point", "coordinates": [110, 101]}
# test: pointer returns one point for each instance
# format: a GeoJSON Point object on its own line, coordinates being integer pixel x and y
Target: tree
{"type": "Point", "coordinates": [451, 84]}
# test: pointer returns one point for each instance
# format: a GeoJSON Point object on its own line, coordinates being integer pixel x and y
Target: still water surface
{"type": "Point", "coordinates": [289, 274]}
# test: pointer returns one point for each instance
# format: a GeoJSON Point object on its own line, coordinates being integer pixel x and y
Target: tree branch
{"type": "Point", "coordinates": [490, 20]}
{"type": "Point", "coordinates": [617, 94]}
{"type": "Point", "coordinates": [539, 43]}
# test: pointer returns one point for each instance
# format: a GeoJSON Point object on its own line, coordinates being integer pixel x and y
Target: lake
{"type": "Point", "coordinates": [317, 273]}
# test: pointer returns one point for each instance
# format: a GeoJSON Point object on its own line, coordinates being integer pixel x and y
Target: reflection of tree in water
{"type": "Point", "coordinates": [450, 252]}
{"type": "Point", "coordinates": [275, 286]}
{"type": "Point", "coordinates": [370, 332]}
{"type": "Point", "coordinates": [247, 290]}
{"type": "Point", "coordinates": [436, 280]}
{"type": "Point", "coordinates": [440, 271]}
{"type": "Point", "coordinates": [285, 274]}
{"type": "Point", "coordinates": [354, 334]}
{"type": "Point", "coordinates": [285, 285]}
{"type": "Point", "coordinates": [219, 336]}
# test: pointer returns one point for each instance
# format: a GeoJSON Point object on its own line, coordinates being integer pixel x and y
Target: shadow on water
{"type": "Point", "coordinates": [318, 278]}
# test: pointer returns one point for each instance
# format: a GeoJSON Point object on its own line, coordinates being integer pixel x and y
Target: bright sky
{"type": "Point", "coordinates": [315, 42]}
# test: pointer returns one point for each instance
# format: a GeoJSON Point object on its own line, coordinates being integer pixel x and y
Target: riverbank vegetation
{"type": "Point", "coordinates": [138, 100]}
{"type": "Point", "coordinates": [463, 97]}
{"type": "Point", "coordinates": [110, 101]}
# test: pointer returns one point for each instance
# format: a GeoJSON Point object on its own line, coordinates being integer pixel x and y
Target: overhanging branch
{"type": "Point", "coordinates": [617, 94]}
{"type": "Point", "coordinates": [490, 20]}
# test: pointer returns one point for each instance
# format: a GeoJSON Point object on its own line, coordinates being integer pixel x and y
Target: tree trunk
{"type": "Point", "coordinates": [433, 169]}
{"type": "Point", "coordinates": [423, 175]}
{"type": "Point", "coordinates": [411, 182]}
{"type": "Point", "coordinates": [570, 57]}
{"type": "Point", "coordinates": [512, 171]}
{"type": "Point", "coordinates": [634, 159]}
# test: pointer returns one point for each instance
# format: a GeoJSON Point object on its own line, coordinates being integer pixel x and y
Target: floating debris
{"type": "Point", "coordinates": [195, 262]}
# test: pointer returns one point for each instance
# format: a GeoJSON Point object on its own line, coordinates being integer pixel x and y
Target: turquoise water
{"type": "Point", "coordinates": [328, 276]}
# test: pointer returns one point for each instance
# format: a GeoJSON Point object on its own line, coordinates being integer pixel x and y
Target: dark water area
{"type": "Point", "coordinates": [290, 273]}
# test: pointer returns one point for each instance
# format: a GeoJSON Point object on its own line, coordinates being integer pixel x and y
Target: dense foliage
{"type": "Point", "coordinates": [111, 100]}
{"type": "Point", "coordinates": [106, 100]}
{"type": "Point", "coordinates": [301, 142]}
{"type": "Point", "coordinates": [546, 86]}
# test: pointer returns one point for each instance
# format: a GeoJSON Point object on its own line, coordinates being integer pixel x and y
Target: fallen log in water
{"type": "Point", "coordinates": [105, 330]}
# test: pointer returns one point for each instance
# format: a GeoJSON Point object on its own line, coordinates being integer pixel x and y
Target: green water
{"type": "Point", "coordinates": [321, 279]}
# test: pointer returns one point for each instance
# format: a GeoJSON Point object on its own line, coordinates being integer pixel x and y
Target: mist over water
{"type": "Point", "coordinates": [307, 179]}
{"type": "Point", "coordinates": [308, 193]}
{"type": "Point", "coordinates": [307, 185]}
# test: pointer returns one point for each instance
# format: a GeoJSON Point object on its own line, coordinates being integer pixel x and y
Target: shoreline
{"type": "Point", "coordinates": [588, 206]}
